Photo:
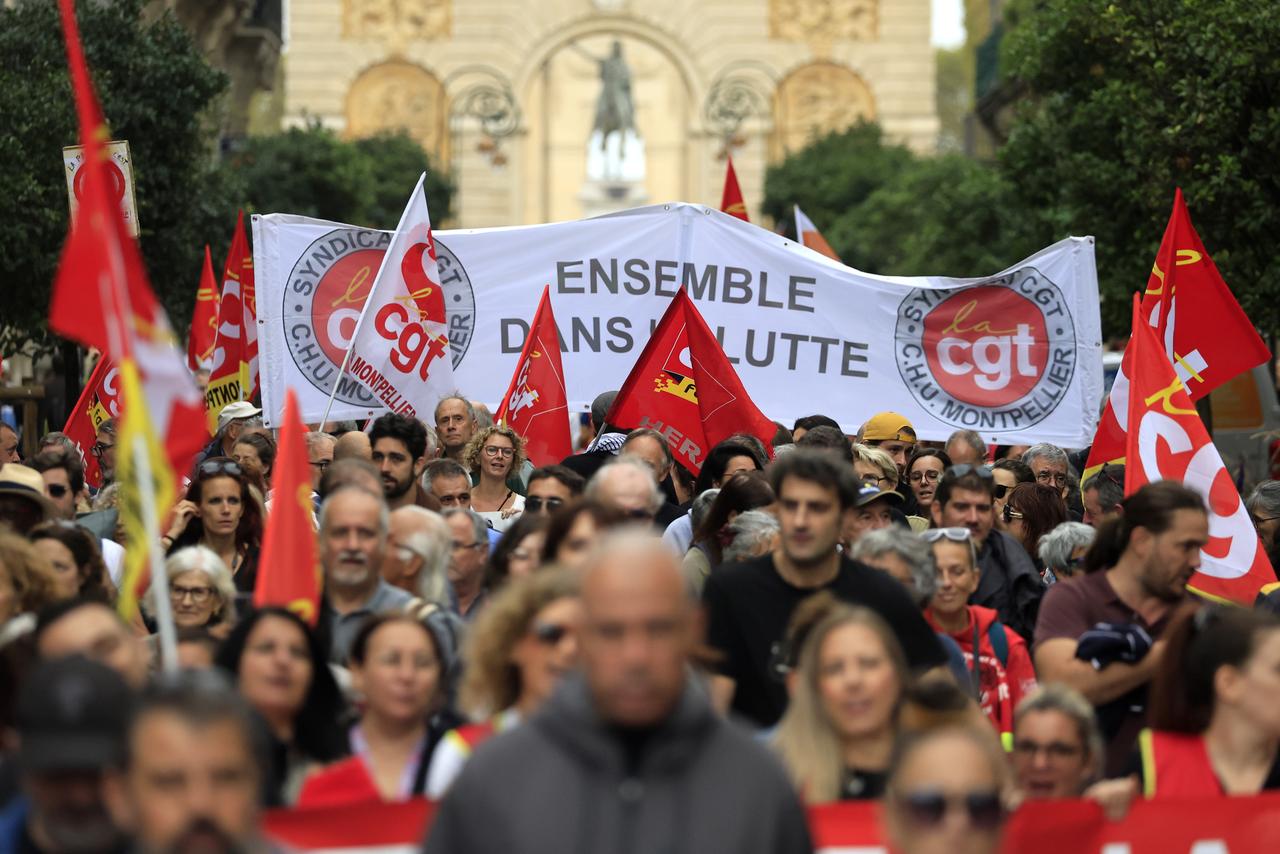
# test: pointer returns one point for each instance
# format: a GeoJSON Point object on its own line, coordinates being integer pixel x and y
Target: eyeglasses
{"type": "Point", "coordinates": [199, 595]}
{"type": "Point", "coordinates": [536, 504]}
{"type": "Point", "coordinates": [1262, 520]}
{"type": "Point", "coordinates": [928, 807]}
{"type": "Point", "coordinates": [931, 476]}
{"type": "Point", "coordinates": [1047, 477]}
{"type": "Point", "coordinates": [1055, 750]}
{"type": "Point", "coordinates": [1010, 514]}
{"type": "Point", "coordinates": [320, 464]}
{"type": "Point", "coordinates": [213, 468]}
{"type": "Point", "coordinates": [962, 469]}
{"type": "Point", "coordinates": [100, 448]}
{"type": "Point", "coordinates": [457, 546]}
{"type": "Point", "coordinates": [955, 535]}
{"type": "Point", "coordinates": [495, 451]}
{"type": "Point", "coordinates": [550, 633]}
{"type": "Point", "coordinates": [56, 490]}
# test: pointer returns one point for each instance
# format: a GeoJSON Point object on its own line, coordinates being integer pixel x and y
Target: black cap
{"type": "Point", "coordinates": [600, 408]}
{"type": "Point", "coordinates": [869, 492]}
{"type": "Point", "coordinates": [72, 715]}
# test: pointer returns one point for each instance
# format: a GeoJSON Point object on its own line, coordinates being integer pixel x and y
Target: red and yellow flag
{"type": "Point", "coordinates": [99, 401]}
{"type": "Point", "coordinates": [731, 199]}
{"type": "Point", "coordinates": [536, 404]}
{"type": "Point", "coordinates": [1166, 440]}
{"type": "Point", "coordinates": [204, 317]}
{"type": "Point", "coordinates": [230, 377]}
{"type": "Point", "coordinates": [289, 572]}
{"type": "Point", "coordinates": [684, 387]}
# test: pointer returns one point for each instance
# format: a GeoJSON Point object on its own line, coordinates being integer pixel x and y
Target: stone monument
{"type": "Point", "coordinates": [615, 150]}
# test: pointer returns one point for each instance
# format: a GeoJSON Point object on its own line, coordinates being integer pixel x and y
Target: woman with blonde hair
{"type": "Point", "coordinates": [27, 585]}
{"type": "Point", "coordinates": [491, 457]}
{"type": "Point", "coordinates": [517, 650]}
{"type": "Point", "coordinates": [846, 676]}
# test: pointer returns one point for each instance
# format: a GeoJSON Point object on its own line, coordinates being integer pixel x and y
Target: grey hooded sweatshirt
{"type": "Point", "coordinates": [564, 783]}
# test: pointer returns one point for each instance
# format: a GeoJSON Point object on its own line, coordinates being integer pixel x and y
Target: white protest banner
{"type": "Point", "coordinates": [1016, 356]}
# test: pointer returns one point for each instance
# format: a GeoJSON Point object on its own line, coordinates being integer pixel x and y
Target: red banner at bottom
{"type": "Point", "coordinates": [1221, 826]}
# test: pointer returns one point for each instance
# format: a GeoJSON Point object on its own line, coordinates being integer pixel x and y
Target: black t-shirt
{"type": "Point", "coordinates": [749, 606]}
{"type": "Point", "coordinates": [857, 784]}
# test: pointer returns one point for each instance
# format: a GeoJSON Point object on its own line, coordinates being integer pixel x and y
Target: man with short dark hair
{"type": "Point", "coordinates": [820, 437]}
{"type": "Point", "coordinates": [71, 716]}
{"type": "Point", "coordinates": [320, 448]}
{"type": "Point", "coordinates": [399, 451]}
{"type": "Point", "coordinates": [63, 479]}
{"type": "Point", "coordinates": [749, 605]}
{"type": "Point", "coordinates": [966, 446]}
{"type": "Point", "coordinates": [193, 770]}
{"type": "Point", "coordinates": [1102, 494]}
{"type": "Point", "coordinates": [1008, 582]}
{"type": "Point", "coordinates": [650, 765]}
{"type": "Point", "coordinates": [449, 482]}
{"type": "Point", "coordinates": [551, 487]}
{"type": "Point", "coordinates": [808, 422]}
{"type": "Point", "coordinates": [104, 449]}
{"type": "Point", "coordinates": [354, 524]}
{"type": "Point", "coordinates": [455, 425]}
{"type": "Point", "coordinates": [94, 630]}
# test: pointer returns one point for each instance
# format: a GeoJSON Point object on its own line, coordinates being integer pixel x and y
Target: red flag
{"type": "Point", "coordinates": [101, 296]}
{"type": "Point", "coordinates": [1214, 341]}
{"type": "Point", "coordinates": [684, 387]}
{"type": "Point", "coordinates": [204, 317]}
{"type": "Point", "coordinates": [731, 200]}
{"type": "Point", "coordinates": [289, 572]}
{"type": "Point", "coordinates": [229, 379]}
{"type": "Point", "coordinates": [99, 401]}
{"type": "Point", "coordinates": [807, 234]}
{"type": "Point", "coordinates": [536, 404]}
{"type": "Point", "coordinates": [1166, 440]}
{"type": "Point", "coordinates": [1205, 333]}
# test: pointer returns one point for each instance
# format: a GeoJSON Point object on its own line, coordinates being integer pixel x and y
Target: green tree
{"type": "Point", "coordinates": [1125, 102]}
{"type": "Point", "coordinates": [310, 171]}
{"type": "Point", "coordinates": [154, 88]}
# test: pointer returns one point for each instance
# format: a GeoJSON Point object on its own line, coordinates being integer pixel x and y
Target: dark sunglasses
{"type": "Point", "coordinates": [962, 469]}
{"type": "Point", "coordinates": [1001, 491]}
{"type": "Point", "coordinates": [56, 490]}
{"type": "Point", "coordinates": [550, 633]}
{"type": "Point", "coordinates": [537, 505]}
{"type": "Point", "coordinates": [212, 468]}
{"type": "Point", "coordinates": [928, 807]}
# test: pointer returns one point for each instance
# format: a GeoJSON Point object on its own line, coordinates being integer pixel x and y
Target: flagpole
{"type": "Point", "coordinates": [159, 578]}
{"type": "Point", "coordinates": [346, 357]}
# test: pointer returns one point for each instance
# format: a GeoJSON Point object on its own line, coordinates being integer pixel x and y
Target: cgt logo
{"type": "Point", "coordinates": [997, 356]}
{"type": "Point", "coordinates": [327, 289]}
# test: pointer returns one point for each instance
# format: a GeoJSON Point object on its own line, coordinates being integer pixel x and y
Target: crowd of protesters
{"type": "Point", "coordinates": [611, 653]}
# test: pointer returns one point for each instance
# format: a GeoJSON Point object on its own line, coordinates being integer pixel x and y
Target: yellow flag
{"type": "Point", "coordinates": [147, 486]}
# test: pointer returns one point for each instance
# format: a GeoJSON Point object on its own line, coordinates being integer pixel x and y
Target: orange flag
{"type": "Point", "coordinates": [731, 200]}
{"type": "Point", "coordinates": [289, 572]}
{"type": "Point", "coordinates": [204, 317]}
{"type": "Point", "coordinates": [684, 387]}
{"type": "Point", "coordinates": [536, 404]}
{"type": "Point", "coordinates": [229, 379]}
{"type": "Point", "coordinates": [1166, 440]}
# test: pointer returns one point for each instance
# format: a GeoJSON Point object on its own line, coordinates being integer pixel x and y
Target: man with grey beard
{"type": "Point", "coordinates": [354, 523]}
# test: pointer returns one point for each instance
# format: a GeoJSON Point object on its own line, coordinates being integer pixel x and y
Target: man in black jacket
{"type": "Point", "coordinates": [629, 755]}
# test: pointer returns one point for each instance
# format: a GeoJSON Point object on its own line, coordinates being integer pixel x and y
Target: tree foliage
{"type": "Point", "coordinates": [154, 88]}
{"type": "Point", "coordinates": [310, 171]}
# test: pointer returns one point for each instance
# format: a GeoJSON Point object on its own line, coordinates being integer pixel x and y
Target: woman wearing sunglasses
{"type": "Point", "coordinates": [491, 456]}
{"type": "Point", "coordinates": [924, 470]}
{"type": "Point", "coordinates": [220, 514]}
{"type": "Point", "coordinates": [398, 667]}
{"type": "Point", "coordinates": [999, 665]}
{"type": "Point", "coordinates": [1033, 510]}
{"type": "Point", "coordinates": [517, 650]}
{"type": "Point", "coordinates": [946, 793]}
{"type": "Point", "coordinates": [1214, 709]}
{"type": "Point", "coordinates": [846, 682]}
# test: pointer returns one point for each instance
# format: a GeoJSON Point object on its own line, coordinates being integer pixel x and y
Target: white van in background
{"type": "Point", "coordinates": [1246, 426]}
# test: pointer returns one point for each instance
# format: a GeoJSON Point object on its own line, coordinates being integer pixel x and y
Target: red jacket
{"type": "Point", "coordinates": [1176, 765]}
{"type": "Point", "coordinates": [344, 782]}
{"type": "Point", "coordinates": [1001, 685]}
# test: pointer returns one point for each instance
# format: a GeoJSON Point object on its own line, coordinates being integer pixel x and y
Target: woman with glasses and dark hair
{"type": "Point", "coordinates": [846, 674]}
{"type": "Point", "coordinates": [946, 794]}
{"type": "Point", "coordinates": [924, 470]}
{"type": "Point", "coordinates": [517, 651]}
{"type": "Point", "coordinates": [281, 670]}
{"type": "Point", "coordinates": [398, 667]}
{"type": "Point", "coordinates": [72, 552]}
{"type": "Point", "coordinates": [220, 514]}
{"type": "Point", "coordinates": [1033, 510]}
{"type": "Point", "coordinates": [491, 456]}
{"type": "Point", "coordinates": [999, 665]}
{"type": "Point", "coordinates": [1214, 710]}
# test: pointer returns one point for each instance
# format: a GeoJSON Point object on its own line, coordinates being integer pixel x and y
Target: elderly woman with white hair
{"type": "Point", "coordinates": [751, 533]}
{"type": "Point", "coordinates": [1062, 550]}
{"type": "Point", "coordinates": [202, 593]}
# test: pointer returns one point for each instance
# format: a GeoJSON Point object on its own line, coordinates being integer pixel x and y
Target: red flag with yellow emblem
{"type": "Point", "coordinates": [731, 199]}
{"type": "Point", "coordinates": [289, 571]}
{"type": "Point", "coordinates": [204, 317]}
{"type": "Point", "coordinates": [684, 387]}
{"type": "Point", "coordinates": [536, 405]}
{"type": "Point", "coordinates": [1166, 440]}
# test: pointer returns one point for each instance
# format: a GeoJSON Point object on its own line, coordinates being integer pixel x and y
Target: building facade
{"type": "Point", "coordinates": [510, 95]}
